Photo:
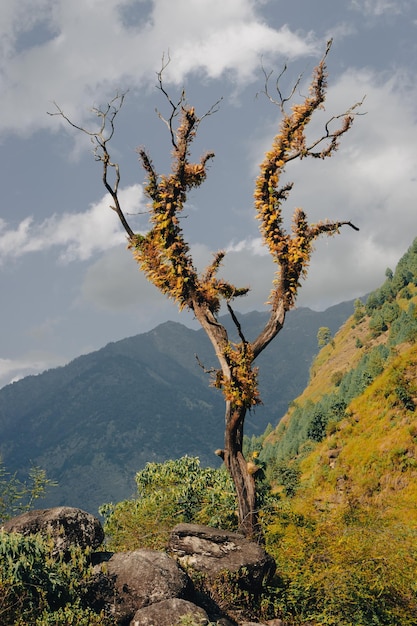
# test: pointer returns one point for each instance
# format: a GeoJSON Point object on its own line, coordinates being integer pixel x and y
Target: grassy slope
{"type": "Point", "coordinates": [345, 543]}
{"type": "Point", "coordinates": [373, 451]}
{"type": "Point", "coordinates": [372, 456]}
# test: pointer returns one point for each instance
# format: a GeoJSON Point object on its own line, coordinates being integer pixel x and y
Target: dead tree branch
{"type": "Point", "coordinates": [100, 139]}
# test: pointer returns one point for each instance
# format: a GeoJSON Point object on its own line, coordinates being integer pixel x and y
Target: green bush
{"type": "Point", "coordinates": [404, 328]}
{"type": "Point", "coordinates": [72, 615]}
{"type": "Point", "coordinates": [169, 493]}
{"type": "Point", "coordinates": [359, 310]}
{"type": "Point", "coordinates": [17, 496]}
{"type": "Point", "coordinates": [38, 588]}
{"type": "Point", "coordinates": [288, 476]}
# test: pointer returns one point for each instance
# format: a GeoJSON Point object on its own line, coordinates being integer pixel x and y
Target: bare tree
{"type": "Point", "coordinates": [164, 255]}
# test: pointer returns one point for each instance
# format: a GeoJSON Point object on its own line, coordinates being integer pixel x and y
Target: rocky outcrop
{"type": "Point", "coordinates": [202, 575]}
{"type": "Point", "coordinates": [66, 526]}
{"type": "Point", "coordinates": [138, 579]}
{"type": "Point", "coordinates": [211, 551]}
{"type": "Point", "coordinates": [228, 570]}
{"type": "Point", "coordinates": [168, 613]}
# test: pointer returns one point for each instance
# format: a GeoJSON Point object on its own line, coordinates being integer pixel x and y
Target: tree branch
{"type": "Point", "coordinates": [237, 324]}
{"type": "Point", "coordinates": [100, 138]}
{"type": "Point", "coordinates": [179, 107]}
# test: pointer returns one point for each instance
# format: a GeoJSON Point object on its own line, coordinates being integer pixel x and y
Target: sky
{"type": "Point", "coordinates": [68, 284]}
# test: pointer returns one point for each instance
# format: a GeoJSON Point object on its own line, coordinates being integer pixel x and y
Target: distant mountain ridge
{"type": "Point", "coordinates": [96, 421]}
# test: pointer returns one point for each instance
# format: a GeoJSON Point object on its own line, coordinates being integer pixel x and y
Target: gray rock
{"type": "Point", "coordinates": [211, 551]}
{"type": "Point", "coordinates": [138, 579]}
{"type": "Point", "coordinates": [271, 622]}
{"type": "Point", "coordinates": [66, 526]}
{"type": "Point", "coordinates": [169, 613]}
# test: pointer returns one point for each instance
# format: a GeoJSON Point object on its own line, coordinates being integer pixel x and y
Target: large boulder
{"type": "Point", "coordinates": [133, 580]}
{"type": "Point", "coordinates": [228, 570]}
{"type": "Point", "coordinates": [169, 613]}
{"type": "Point", "coordinates": [211, 551]}
{"type": "Point", "coordinates": [271, 622]}
{"type": "Point", "coordinates": [67, 526]}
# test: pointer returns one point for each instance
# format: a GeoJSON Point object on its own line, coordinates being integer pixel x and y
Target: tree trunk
{"type": "Point", "coordinates": [236, 465]}
{"type": "Point", "coordinates": [234, 420]}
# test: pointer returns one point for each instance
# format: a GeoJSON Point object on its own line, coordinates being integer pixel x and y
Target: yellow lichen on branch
{"type": "Point", "coordinates": [292, 252]}
{"type": "Point", "coordinates": [162, 254]}
{"type": "Point", "coordinates": [241, 387]}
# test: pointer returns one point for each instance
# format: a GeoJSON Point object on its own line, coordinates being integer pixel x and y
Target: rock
{"type": "Point", "coordinates": [137, 579]}
{"type": "Point", "coordinates": [66, 526]}
{"type": "Point", "coordinates": [211, 551]}
{"type": "Point", "coordinates": [271, 622]}
{"type": "Point", "coordinates": [227, 570]}
{"type": "Point", "coordinates": [169, 613]}
{"type": "Point", "coordinates": [332, 456]}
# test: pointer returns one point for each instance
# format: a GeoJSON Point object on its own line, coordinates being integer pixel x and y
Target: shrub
{"type": "Point", "coordinates": [288, 476]}
{"type": "Point", "coordinates": [336, 378]}
{"type": "Point", "coordinates": [349, 570]}
{"type": "Point", "coordinates": [169, 493]}
{"type": "Point", "coordinates": [359, 310]}
{"type": "Point", "coordinates": [37, 588]}
{"type": "Point", "coordinates": [17, 496]}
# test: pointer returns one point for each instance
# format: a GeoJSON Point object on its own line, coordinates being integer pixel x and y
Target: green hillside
{"type": "Point", "coordinates": [95, 422]}
{"type": "Point", "coordinates": [344, 461]}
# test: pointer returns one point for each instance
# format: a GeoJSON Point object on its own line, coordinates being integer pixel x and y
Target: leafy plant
{"type": "Point", "coordinates": [38, 588]}
{"type": "Point", "coordinates": [324, 336]}
{"type": "Point", "coordinates": [359, 310]}
{"type": "Point", "coordinates": [17, 496]}
{"type": "Point", "coordinates": [169, 493]}
{"type": "Point", "coordinates": [288, 476]}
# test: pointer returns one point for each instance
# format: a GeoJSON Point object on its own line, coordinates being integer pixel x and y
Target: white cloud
{"type": "Point", "coordinates": [18, 18]}
{"type": "Point", "coordinates": [12, 370]}
{"type": "Point", "coordinates": [77, 235]}
{"type": "Point", "coordinates": [114, 286]}
{"type": "Point", "coordinates": [115, 283]}
{"type": "Point", "coordinates": [341, 31]}
{"type": "Point", "coordinates": [86, 50]}
{"type": "Point", "coordinates": [253, 246]}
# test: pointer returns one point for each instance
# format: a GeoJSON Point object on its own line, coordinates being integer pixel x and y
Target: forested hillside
{"type": "Point", "coordinates": [95, 422]}
{"type": "Point", "coordinates": [344, 462]}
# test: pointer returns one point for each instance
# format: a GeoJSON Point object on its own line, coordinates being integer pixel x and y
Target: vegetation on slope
{"type": "Point", "coordinates": [344, 461]}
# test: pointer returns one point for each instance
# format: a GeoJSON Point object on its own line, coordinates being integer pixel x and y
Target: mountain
{"type": "Point", "coordinates": [95, 422]}
{"type": "Point", "coordinates": [344, 461]}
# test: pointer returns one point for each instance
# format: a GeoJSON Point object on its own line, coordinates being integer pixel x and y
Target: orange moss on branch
{"type": "Point", "coordinates": [292, 252]}
{"type": "Point", "coordinates": [162, 254]}
{"type": "Point", "coordinates": [241, 387]}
